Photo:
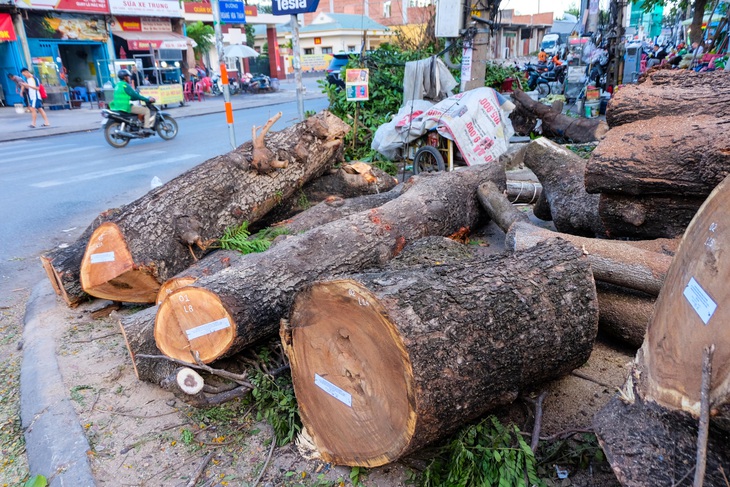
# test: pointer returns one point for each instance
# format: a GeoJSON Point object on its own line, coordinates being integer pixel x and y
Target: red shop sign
{"type": "Point", "coordinates": [7, 33]}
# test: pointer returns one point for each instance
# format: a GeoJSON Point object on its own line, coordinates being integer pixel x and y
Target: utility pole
{"type": "Point", "coordinates": [474, 56]}
{"type": "Point", "coordinates": [297, 63]}
{"type": "Point", "coordinates": [224, 74]}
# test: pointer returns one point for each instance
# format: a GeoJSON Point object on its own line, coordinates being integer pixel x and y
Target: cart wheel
{"type": "Point", "coordinates": [428, 159]}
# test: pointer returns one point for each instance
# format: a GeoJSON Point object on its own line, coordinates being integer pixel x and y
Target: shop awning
{"type": "Point", "coordinates": [7, 32]}
{"type": "Point", "coordinates": [143, 41]}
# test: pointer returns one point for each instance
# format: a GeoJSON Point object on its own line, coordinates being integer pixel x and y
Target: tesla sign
{"type": "Point", "coordinates": [293, 7]}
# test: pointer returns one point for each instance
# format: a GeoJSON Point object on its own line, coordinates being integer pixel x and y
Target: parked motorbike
{"type": "Point", "coordinates": [121, 127]}
{"type": "Point", "coordinates": [536, 81]}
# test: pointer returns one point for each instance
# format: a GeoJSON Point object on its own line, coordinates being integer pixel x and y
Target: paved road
{"type": "Point", "coordinates": [52, 187]}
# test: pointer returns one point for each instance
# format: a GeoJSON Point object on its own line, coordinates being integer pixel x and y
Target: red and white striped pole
{"type": "Point", "coordinates": [224, 73]}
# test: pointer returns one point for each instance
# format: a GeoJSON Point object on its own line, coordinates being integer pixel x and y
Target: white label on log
{"type": "Point", "coordinates": [102, 257]}
{"type": "Point", "coordinates": [333, 390]}
{"type": "Point", "coordinates": [207, 328]}
{"type": "Point", "coordinates": [699, 300]}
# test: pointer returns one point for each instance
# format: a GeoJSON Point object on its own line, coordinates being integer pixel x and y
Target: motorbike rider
{"type": "Point", "coordinates": [123, 96]}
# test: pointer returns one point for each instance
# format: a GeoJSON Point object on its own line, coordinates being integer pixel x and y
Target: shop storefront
{"type": "Point", "coordinates": [65, 39]}
{"type": "Point", "coordinates": [11, 61]}
{"type": "Point", "coordinates": [150, 36]}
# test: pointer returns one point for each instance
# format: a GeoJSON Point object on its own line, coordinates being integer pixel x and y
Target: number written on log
{"type": "Point", "coordinates": [360, 300]}
{"type": "Point", "coordinates": [700, 301]}
{"type": "Point", "coordinates": [333, 390]}
{"type": "Point", "coordinates": [208, 328]}
{"type": "Point", "coordinates": [102, 257]}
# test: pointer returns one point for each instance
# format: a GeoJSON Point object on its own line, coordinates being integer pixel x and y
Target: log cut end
{"type": "Point", "coordinates": [173, 284]}
{"type": "Point", "coordinates": [108, 270]}
{"type": "Point", "coordinates": [692, 313]}
{"type": "Point", "coordinates": [353, 377]}
{"type": "Point", "coordinates": [193, 322]}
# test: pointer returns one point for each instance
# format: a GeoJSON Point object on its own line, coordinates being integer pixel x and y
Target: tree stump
{"type": "Point", "coordinates": [258, 289]}
{"type": "Point", "coordinates": [386, 363]}
{"type": "Point", "coordinates": [167, 229]}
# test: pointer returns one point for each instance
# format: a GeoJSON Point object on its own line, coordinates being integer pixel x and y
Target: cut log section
{"type": "Point", "coordinates": [670, 92]}
{"type": "Point", "coordinates": [258, 289]}
{"type": "Point", "coordinates": [663, 156]}
{"type": "Point", "coordinates": [621, 263]}
{"type": "Point", "coordinates": [691, 314]}
{"type": "Point", "coordinates": [554, 123]}
{"type": "Point", "coordinates": [624, 313]}
{"type": "Point", "coordinates": [646, 217]}
{"type": "Point", "coordinates": [63, 265]}
{"type": "Point", "coordinates": [386, 363]}
{"type": "Point", "coordinates": [166, 230]}
{"type": "Point", "coordinates": [561, 173]}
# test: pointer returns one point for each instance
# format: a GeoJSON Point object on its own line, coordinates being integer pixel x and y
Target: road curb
{"type": "Point", "coordinates": [55, 443]}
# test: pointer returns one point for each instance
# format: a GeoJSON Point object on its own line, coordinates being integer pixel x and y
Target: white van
{"type": "Point", "coordinates": [551, 43]}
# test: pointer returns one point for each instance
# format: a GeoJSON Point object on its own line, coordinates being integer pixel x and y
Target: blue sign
{"type": "Point", "coordinates": [293, 7]}
{"type": "Point", "coordinates": [232, 12]}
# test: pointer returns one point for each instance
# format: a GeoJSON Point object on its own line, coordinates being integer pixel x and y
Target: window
{"type": "Point", "coordinates": [386, 10]}
{"type": "Point", "coordinates": [308, 50]}
{"type": "Point", "coordinates": [419, 3]}
{"type": "Point", "coordinates": [326, 50]}
{"type": "Point", "coordinates": [350, 48]}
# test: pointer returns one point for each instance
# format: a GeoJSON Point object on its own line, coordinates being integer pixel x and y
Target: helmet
{"type": "Point", "coordinates": [123, 73]}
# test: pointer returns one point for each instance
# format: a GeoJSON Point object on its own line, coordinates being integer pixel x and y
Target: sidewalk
{"type": "Point", "coordinates": [14, 126]}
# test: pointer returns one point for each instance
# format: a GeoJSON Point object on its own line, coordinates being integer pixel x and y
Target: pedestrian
{"type": "Point", "coordinates": [136, 78]}
{"type": "Point", "coordinates": [35, 102]}
{"type": "Point", "coordinates": [20, 89]}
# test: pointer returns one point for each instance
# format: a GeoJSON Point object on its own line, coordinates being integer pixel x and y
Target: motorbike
{"type": "Point", "coordinates": [215, 88]}
{"type": "Point", "coordinates": [536, 81]}
{"type": "Point", "coordinates": [121, 127]}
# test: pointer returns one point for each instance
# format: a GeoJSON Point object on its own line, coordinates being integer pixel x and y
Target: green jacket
{"type": "Point", "coordinates": [123, 95]}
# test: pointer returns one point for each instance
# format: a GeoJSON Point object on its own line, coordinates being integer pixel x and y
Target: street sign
{"type": "Point", "coordinates": [293, 7]}
{"type": "Point", "coordinates": [233, 12]}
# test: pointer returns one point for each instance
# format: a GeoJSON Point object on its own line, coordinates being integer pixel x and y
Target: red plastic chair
{"type": "Point", "coordinates": [199, 91]}
{"type": "Point", "coordinates": [188, 91]}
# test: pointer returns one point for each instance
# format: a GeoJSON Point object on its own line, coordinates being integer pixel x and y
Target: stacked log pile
{"type": "Point", "coordinates": [663, 155]}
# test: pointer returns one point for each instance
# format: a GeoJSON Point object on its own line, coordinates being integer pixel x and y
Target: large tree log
{"type": "Point", "coordinates": [646, 217]}
{"type": "Point", "coordinates": [562, 173]}
{"type": "Point", "coordinates": [347, 181]}
{"type": "Point", "coordinates": [554, 123]}
{"type": "Point", "coordinates": [388, 362]}
{"type": "Point", "coordinates": [625, 313]}
{"type": "Point", "coordinates": [663, 156]}
{"type": "Point", "coordinates": [670, 92]}
{"type": "Point", "coordinates": [153, 238]}
{"type": "Point", "coordinates": [258, 288]}
{"type": "Point", "coordinates": [625, 264]}
{"type": "Point", "coordinates": [63, 264]}
{"type": "Point", "coordinates": [666, 383]}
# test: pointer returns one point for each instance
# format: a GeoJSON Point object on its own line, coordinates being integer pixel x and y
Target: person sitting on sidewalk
{"type": "Point", "coordinates": [123, 96]}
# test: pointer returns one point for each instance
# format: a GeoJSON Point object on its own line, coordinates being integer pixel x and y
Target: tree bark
{"type": "Point", "coordinates": [498, 207]}
{"type": "Point", "coordinates": [411, 355]}
{"type": "Point", "coordinates": [621, 263]}
{"type": "Point", "coordinates": [662, 156]}
{"type": "Point", "coordinates": [562, 173]}
{"type": "Point", "coordinates": [62, 265]}
{"type": "Point", "coordinates": [348, 181]}
{"type": "Point", "coordinates": [670, 93]}
{"type": "Point", "coordinates": [258, 288]}
{"type": "Point", "coordinates": [554, 123]}
{"type": "Point", "coordinates": [155, 237]}
{"type": "Point", "coordinates": [624, 313]}
{"type": "Point", "coordinates": [646, 217]}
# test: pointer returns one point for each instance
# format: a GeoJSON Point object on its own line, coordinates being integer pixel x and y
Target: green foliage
{"type": "Point", "coordinates": [203, 35]}
{"type": "Point", "coordinates": [239, 238]}
{"type": "Point", "coordinates": [387, 66]}
{"type": "Point", "coordinates": [274, 401]}
{"type": "Point", "coordinates": [579, 451]}
{"type": "Point", "coordinates": [485, 454]}
{"type": "Point", "coordinates": [583, 150]}
{"type": "Point", "coordinates": [187, 436]}
{"type": "Point", "coordinates": [309, 113]}
{"type": "Point", "coordinates": [303, 202]}
{"type": "Point", "coordinates": [496, 74]}
{"type": "Point", "coordinates": [356, 475]}
{"type": "Point", "coordinates": [76, 394]}
{"type": "Point", "coordinates": [36, 481]}
{"type": "Point", "coordinates": [250, 35]}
